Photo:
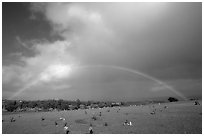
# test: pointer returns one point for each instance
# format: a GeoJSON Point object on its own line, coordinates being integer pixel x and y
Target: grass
{"type": "Point", "coordinates": [178, 118]}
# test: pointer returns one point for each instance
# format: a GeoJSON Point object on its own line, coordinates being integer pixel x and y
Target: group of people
{"type": "Point", "coordinates": [66, 129]}
{"type": "Point", "coordinates": [127, 124]}
{"type": "Point", "coordinates": [196, 103]}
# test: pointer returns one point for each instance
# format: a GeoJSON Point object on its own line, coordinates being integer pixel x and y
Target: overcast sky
{"type": "Point", "coordinates": [101, 51]}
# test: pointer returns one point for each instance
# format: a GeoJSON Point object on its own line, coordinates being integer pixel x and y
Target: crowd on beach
{"type": "Point", "coordinates": [90, 129]}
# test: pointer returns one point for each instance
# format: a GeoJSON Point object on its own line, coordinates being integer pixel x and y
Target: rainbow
{"type": "Point", "coordinates": [112, 67]}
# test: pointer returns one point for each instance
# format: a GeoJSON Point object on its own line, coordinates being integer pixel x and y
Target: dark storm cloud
{"type": "Point", "coordinates": [146, 36]}
{"type": "Point", "coordinates": [162, 40]}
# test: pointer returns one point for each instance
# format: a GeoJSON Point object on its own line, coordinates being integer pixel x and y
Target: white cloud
{"type": "Point", "coordinates": [56, 71]}
{"type": "Point", "coordinates": [51, 62]}
{"type": "Point", "coordinates": [49, 53]}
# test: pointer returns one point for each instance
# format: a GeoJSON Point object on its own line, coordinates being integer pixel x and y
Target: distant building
{"type": "Point", "coordinates": [82, 106]}
{"type": "Point", "coordinates": [94, 106]}
{"type": "Point", "coordinates": [73, 107]}
{"type": "Point", "coordinates": [116, 104]}
{"type": "Point", "coordinates": [88, 107]}
{"type": "Point", "coordinates": [50, 109]}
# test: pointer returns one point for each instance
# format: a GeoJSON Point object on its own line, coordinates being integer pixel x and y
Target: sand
{"type": "Point", "coordinates": [178, 118]}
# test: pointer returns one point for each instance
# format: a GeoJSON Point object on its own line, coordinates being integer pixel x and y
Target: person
{"type": "Point", "coordinates": [66, 129]}
{"type": "Point", "coordinates": [56, 124]}
{"type": "Point", "coordinates": [196, 103]}
{"type": "Point", "coordinates": [12, 119]}
{"type": "Point", "coordinates": [42, 118]}
{"type": "Point", "coordinates": [90, 129]}
{"type": "Point", "coordinates": [126, 122]}
{"type": "Point", "coordinates": [62, 119]}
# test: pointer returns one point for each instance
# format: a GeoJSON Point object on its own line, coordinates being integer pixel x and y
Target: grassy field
{"type": "Point", "coordinates": [177, 118]}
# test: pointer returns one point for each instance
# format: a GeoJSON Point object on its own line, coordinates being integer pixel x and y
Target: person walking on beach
{"type": "Point", "coordinates": [66, 128]}
{"type": "Point", "coordinates": [90, 129]}
{"type": "Point", "coordinates": [56, 124]}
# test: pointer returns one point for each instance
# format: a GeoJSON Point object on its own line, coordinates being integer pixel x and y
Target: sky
{"type": "Point", "coordinates": [101, 51]}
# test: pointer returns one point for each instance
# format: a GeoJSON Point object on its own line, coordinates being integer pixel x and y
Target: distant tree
{"type": "Point", "coordinates": [53, 104]}
{"type": "Point", "coordinates": [45, 105]}
{"type": "Point", "coordinates": [78, 102]}
{"type": "Point", "coordinates": [25, 104]}
{"type": "Point", "coordinates": [32, 104]}
{"type": "Point", "coordinates": [15, 103]}
{"type": "Point", "coordinates": [97, 102]}
{"type": "Point", "coordinates": [59, 104]}
{"type": "Point", "coordinates": [11, 106]}
{"type": "Point", "coordinates": [122, 103]}
{"type": "Point", "coordinates": [64, 106]}
{"type": "Point", "coordinates": [107, 104]}
{"type": "Point", "coordinates": [88, 103]}
{"type": "Point", "coordinates": [39, 104]}
{"type": "Point", "coordinates": [101, 104]}
{"type": "Point", "coordinates": [172, 99]}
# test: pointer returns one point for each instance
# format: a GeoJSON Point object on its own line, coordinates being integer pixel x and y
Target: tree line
{"type": "Point", "coordinates": [45, 105]}
{"type": "Point", "coordinates": [13, 105]}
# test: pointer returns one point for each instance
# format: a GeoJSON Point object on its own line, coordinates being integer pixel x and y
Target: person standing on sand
{"type": "Point", "coordinates": [130, 123]}
{"type": "Point", "coordinates": [12, 119]}
{"type": "Point", "coordinates": [56, 124]}
{"type": "Point", "coordinates": [126, 122]}
{"type": "Point", "coordinates": [66, 129]}
{"type": "Point", "coordinates": [90, 129]}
